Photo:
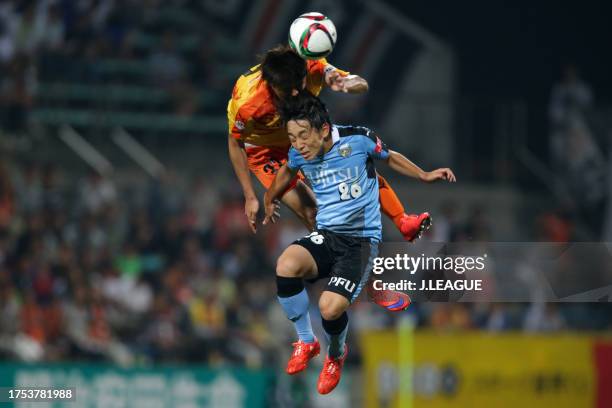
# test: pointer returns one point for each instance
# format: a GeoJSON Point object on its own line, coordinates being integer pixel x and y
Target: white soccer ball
{"type": "Point", "coordinates": [312, 35]}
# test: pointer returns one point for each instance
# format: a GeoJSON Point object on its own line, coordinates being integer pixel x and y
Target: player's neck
{"type": "Point", "coordinates": [327, 145]}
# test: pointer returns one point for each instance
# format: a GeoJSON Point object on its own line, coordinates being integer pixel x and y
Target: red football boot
{"type": "Point", "coordinates": [331, 373]}
{"type": "Point", "coordinates": [413, 225]}
{"type": "Point", "coordinates": [302, 353]}
{"type": "Point", "coordinates": [389, 299]}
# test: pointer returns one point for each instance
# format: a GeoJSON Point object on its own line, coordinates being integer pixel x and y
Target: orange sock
{"type": "Point", "coordinates": [390, 204]}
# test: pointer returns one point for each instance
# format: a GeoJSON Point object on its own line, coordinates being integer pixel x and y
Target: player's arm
{"type": "Point", "coordinates": [281, 182]}
{"type": "Point", "coordinates": [402, 165]}
{"type": "Point", "coordinates": [239, 161]}
{"type": "Point", "coordinates": [398, 162]}
{"type": "Point", "coordinates": [347, 84]}
{"type": "Point", "coordinates": [339, 80]}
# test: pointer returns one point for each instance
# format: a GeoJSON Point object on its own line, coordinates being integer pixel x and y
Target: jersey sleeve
{"type": "Point", "coordinates": [294, 160]}
{"type": "Point", "coordinates": [315, 80]}
{"type": "Point", "coordinates": [243, 105]}
{"type": "Point", "coordinates": [234, 129]}
{"type": "Point", "coordinates": [238, 114]}
{"type": "Point", "coordinates": [235, 123]}
{"type": "Point", "coordinates": [374, 146]}
{"type": "Point", "coordinates": [322, 66]}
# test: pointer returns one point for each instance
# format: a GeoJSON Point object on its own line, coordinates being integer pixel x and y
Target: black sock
{"type": "Point", "coordinates": [336, 335]}
{"type": "Point", "coordinates": [333, 327]}
{"type": "Point", "coordinates": [287, 287]}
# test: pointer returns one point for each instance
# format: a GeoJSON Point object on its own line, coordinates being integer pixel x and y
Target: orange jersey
{"type": "Point", "coordinates": [251, 114]}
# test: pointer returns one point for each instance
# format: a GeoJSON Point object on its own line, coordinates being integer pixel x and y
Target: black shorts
{"type": "Point", "coordinates": [346, 260]}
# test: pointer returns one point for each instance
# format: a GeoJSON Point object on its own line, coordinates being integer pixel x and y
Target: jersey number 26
{"type": "Point", "coordinates": [346, 192]}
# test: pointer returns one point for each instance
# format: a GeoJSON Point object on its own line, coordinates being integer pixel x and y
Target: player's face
{"type": "Point", "coordinates": [307, 140]}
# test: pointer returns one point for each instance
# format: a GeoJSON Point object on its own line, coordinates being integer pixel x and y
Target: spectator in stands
{"type": "Point", "coordinates": [9, 309]}
{"type": "Point", "coordinates": [553, 227]}
{"type": "Point", "coordinates": [7, 42]}
{"type": "Point", "coordinates": [53, 194]}
{"type": "Point", "coordinates": [7, 198]}
{"type": "Point", "coordinates": [543, 317]}
{"type": "Point", "coordinates": [167, 67]}
{"type": "Point", "coordinates": [165, 333]}
{"type": "Point", "coordinates": [30, 30]}
{"type": "Point", "coordinates": [204, 199]}
{"type": "Point", "coordinates": [55, 30]}
{"type": "Point", "coordinates": [30, 193]}
{"type": "Point", "coordinates": [497, 317]}
{"type": "Point", "coordinates": [477, 227]}
{"type": "Point", "coordinates": [570, 99]}
{"type": "Point", "coordinates": [97, 193]}
{"type": "Point", "coordinates": [576, 156]}
{"type": "Point", "coordinates": [32, 318]}
{"type": "Point", "coordinates": [17, 93]}
{"type": "Point", "coordinates": [445, 228]}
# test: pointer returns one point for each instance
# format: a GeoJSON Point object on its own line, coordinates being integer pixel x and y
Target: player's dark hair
{"type": "Point", "coordinates": [283, 69]}
{"type": "Point", "coordinates": [306, 106]}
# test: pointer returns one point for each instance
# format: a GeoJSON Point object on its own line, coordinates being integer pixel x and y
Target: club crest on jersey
{"type": "Point", "coordinates": [345, 150]}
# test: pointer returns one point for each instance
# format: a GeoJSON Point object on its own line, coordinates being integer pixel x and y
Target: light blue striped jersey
{"type": "Point", "coordinates": [345, 183]}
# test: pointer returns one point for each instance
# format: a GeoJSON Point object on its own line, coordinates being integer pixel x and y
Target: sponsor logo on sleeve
{"type": "Point", "coordinates": [379, 145]}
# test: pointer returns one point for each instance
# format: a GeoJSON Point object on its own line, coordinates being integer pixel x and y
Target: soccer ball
{"type": "Point", "coordinates": [312, 36]}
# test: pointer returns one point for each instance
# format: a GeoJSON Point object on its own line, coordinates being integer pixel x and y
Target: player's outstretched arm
{"type": "Point", "coordinates": [402, 165]}
{"type": "Point", "coordinates": [346, 83]}
{"type": "Point", "coordinates": [282, 180]}
{"type": "Point", "coordinates": [239, 161]}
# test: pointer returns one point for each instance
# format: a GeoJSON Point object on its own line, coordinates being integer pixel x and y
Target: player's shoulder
{"type": "Point", "coordinates": [248, 84]}
{"type": "Point", "coordinates": [252, 73]}
{"type": "Point", "coordinates": [353, 131]}
{"type": "Point", "coordinates": [250, 92]}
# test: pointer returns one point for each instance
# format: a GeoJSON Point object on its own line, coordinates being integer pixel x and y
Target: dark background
{"type": "Point", "coordinates": [517, 48]}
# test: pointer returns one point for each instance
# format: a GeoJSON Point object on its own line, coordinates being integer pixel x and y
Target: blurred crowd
{"type": "Point", "coordinates": [169, 271]}
{"type": "Point", "coordinates": [88, 271]}
{"type": "Point", "coordinates": [169, 44]}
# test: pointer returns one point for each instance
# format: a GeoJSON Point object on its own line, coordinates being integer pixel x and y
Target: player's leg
{"type": "Point", "coordinates": [390, 203]}
{"type": "Point", "coordinates": [411, 226]}
{"type": "Point", "coordinates": [335, 325]}
{"type": "Point", "coordinates": [335, 321]}
{"type": "Point", "coordinates": [264, 163]}
{"type": "Point", "coordinates": [294, 265]}
{"type": "Point", "coordinates": [349, 275]}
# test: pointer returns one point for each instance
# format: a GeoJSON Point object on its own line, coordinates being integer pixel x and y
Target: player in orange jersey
{"type": "Point", "coordinates": [258, 142]}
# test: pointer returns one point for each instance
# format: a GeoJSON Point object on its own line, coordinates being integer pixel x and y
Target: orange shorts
{"type": "Point", "coordinates": [264, 163]}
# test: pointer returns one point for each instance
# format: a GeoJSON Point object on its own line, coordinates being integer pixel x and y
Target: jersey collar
{"type": "Point", "coordinates": [334, 134]}
{"type": "Point", "coordinates": [335, 137]}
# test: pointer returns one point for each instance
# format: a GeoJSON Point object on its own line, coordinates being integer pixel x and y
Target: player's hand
{"type": "Point", "coordinates": [272, 212]}
{"type": "Point", "coordinates": [251, 208]}
{"type": "Point", "coordinates": [439, 174]}
{"type": "Point", "coordinates": [335, 81]}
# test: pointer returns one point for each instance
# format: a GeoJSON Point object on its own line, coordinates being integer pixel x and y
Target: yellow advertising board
{"type": "Point", "coordinates": [478, 370]}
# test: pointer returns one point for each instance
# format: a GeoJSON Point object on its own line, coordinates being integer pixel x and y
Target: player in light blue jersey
{"type": "Point", "coordinates": [338, 161]}
{"type": "Point", "coordinates": [344, 182]}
